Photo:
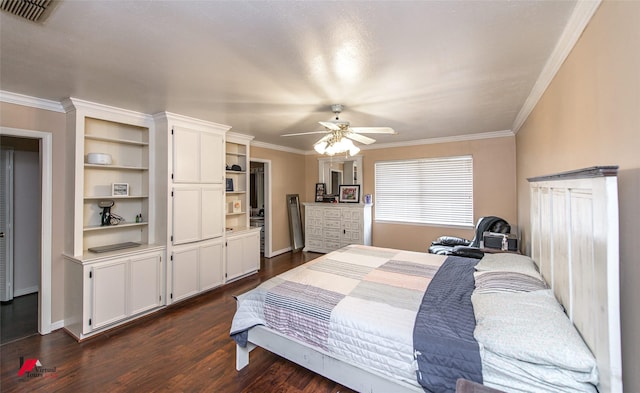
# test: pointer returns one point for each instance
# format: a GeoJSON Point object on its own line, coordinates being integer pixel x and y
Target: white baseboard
{"type": "Point", "coordinates": [57, 325]}
{"type": "Point", "coordinates": [25, 291]}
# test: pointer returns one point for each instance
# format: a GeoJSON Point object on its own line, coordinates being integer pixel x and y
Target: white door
{"type": "Point", "coordinates": [235, 257]}
{"type": "Point", "coordinates": [211, 153]}
{"type": "Point", "coordinates": [6, 224]}
{"type": "Point", "coordinates": [251, 251]}
{"type": "Point", "coordinates": [185, 273]}
{"type": "Point", "coordinates": [186, 155]}
{"type": "Point", "coordinates": [186, 214]}
{"type": "Point", "coordinates": [212, 212]}
{"type": "Point", "coordinates": [145, 284]}
{"type": "Point", "coordinates": [109, 293]}
{"type": "Point", "coordinates": [211, 265]}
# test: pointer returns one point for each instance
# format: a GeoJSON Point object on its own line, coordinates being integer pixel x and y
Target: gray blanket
{"type": "Point", "coordinates": [443, 341]}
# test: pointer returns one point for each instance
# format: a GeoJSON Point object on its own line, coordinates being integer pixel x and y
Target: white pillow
{"type": "Point", "coordinates": [510, 282]}
{"type": "Point", "coordinates": [531, 327]}
{"type": "Point", "coordinates": [508, 262]}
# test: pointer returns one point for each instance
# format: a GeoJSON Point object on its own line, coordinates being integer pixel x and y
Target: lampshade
{"type": "Point", "coordinates": [341, 145]}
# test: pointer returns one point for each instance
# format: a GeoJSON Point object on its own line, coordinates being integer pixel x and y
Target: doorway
{"type": "Point", "coordinates": [260, 201]}
{"type": "Point", "coordinates": [42, 233]}
{"type": "Point", "coordinates": [19, 227]}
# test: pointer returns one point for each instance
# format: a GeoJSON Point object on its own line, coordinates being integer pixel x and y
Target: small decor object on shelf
{"type": "Point", "coordinates": [237, 206]}
{"type": "Point", "coordinates": [320, 190]}
{"type": "Point", "coordinates": [349, 193]}
{"type": "Point", "coordinates": [229, 184]}
{"type": "Point", "coordinates": [367, 199]}
{"type": "Point", "coordinates": [120, 189]}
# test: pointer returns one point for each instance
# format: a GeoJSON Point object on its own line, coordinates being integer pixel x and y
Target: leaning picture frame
{"type": "Point", "coordinates": [229, 184]}
{"type": "Point", "coordinates": [119, 189]}
{"type": "Point", "coordinates": [349, 193]}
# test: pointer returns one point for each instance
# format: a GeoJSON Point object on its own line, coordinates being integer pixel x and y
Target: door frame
{"type": "Point", "coordinates": [46, 164]}
{"type": "Point", "coordinates": [268, 247]}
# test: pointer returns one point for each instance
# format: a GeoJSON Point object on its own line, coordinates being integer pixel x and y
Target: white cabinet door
{"type": "Point", "coordinates": [211, 161]}
{"type": "Point", "coordinates": [197, 156]}
{"type": "Point", "coordinates": [243, 254]}
{"type": "Point", "coordinates": [109, 293]}
{"type": "Point", "coordinates": [211, 265]}
{"type": "Point", "coordinates": [186, 214]}
{"type": "Point", "coordinates": [212, 213]}
{"type": "Point", "coordinates": [186, 157]}
{"type": "Point", "coordinates": [234, 257]}
{"type": "Point", "coordinates": [351, 227]}
{"type": "Point", "coordinates": [184, 273]}
{"type": "Point", "coordinates": [145, 284]}
{"type": "Point", "coordinates": [251, 251]}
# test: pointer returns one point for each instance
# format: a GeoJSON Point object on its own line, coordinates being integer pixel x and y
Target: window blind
{"type": "Point", "coordinates": [425, 191]}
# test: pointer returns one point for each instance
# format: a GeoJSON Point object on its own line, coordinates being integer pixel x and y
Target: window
{"type": "Point", "coordinates": [425, 191]}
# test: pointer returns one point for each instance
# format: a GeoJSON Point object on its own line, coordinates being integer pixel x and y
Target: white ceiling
{"type": "Point", "coordinates": [429, 69]}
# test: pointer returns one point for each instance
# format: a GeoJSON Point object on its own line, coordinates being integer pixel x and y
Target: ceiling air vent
{"type": "Point", "coordinates": [29, 9]}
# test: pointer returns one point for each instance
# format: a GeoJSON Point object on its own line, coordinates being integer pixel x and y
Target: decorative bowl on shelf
{"type": "Point", "coordinates": [99, 158]}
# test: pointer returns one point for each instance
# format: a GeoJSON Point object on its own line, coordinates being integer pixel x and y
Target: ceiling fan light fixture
{"type": "Point", "coordinates": [320, 147]}
{"type": "Point", "coordinates": [339, 145]}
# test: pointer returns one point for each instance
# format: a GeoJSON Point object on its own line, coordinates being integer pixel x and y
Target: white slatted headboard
{"type": "Point", "coordinates": [574, 241]}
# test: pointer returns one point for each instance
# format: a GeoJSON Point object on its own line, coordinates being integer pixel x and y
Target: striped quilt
{"type": "Point", "coordinates": [358, 303]}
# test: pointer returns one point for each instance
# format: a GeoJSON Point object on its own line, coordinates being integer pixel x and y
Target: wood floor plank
{"type": "Point", "coordinates": [183, 348]}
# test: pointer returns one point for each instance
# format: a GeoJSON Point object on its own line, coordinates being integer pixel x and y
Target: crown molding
{"type": "Point", "coordinates": [280, 148]}
{"type": "Point", "coordinates": [582, 14]}
{"type": "Point", "coordinates": [430, 141]}
{"type": "Point", "coordinates": [33, 102]}
{"type": "Point", "coordinates": [446, 139]}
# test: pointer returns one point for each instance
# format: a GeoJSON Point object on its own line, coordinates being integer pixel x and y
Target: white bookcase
{"type": "Point", "coordinates": [242, 241]}
{"type": "Point", "coordinates": [126, 137]}
{"type": "Point", "coordinates": [106, 289]}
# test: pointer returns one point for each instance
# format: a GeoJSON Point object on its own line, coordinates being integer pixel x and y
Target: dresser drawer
{"type": "Point", "coordinates": [332, 214]}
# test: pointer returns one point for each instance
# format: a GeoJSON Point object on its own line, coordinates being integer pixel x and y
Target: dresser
{"type": "Point", "coordinates": [330, 226]}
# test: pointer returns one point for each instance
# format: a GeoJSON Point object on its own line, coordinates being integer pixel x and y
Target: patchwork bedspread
{"type": "Point", "coordinates": [358, 303]}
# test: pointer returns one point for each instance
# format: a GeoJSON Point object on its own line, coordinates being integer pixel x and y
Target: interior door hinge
{"type": "Point", "coordinates": [89, 321]}
{"type": "Point", "coordinates": [172, 179]}
{"type": "Point", "coordinates": [172, 296]}
{"type": "Point", "coordinates": [172, 255]}
{"type": "Point", "coordinates": [90, 274]}
{"type": "Point", "coordinates": [172, 191]}
{"type": "Point", "coordinates": [172, 240]}
{"type": "Point", "coordinates": [172, 131]}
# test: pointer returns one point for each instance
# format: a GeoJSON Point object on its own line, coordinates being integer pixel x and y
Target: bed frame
{"type": "Point", "coordinates": [574, 239]}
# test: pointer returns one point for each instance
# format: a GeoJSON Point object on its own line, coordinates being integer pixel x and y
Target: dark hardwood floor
{"type": "Point", "coordinates": [183, 348]}
{"type": "Point", "coordinates": [19, 318]}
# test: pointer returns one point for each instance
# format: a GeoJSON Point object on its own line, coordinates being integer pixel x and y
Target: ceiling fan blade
{"type": "Point", "coordinates": [360, 138]}
{"type": "Point", "coordinates": [373, 130]}
{"type": "Point", "coordinates": [305, 133]}
{"type": "Point", "coordinates": [330, 126]}
{"type": "Point", "coordinates": [324, 139]}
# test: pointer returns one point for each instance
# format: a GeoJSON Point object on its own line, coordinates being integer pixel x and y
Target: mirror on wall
{"type": "Point", "coordinates": [334, 171]}
{"type": "Point", "coordinates": [295, 222]}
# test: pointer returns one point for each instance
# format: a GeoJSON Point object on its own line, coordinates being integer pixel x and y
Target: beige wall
{"type": "Point", "coordinates": [17, 116]}
{"type": "Point", "coordinates": [590, 115]}
{"type": "Point", "coordinates": [287, 177]}
{"type": "Point", "coordinates": [493, 177]}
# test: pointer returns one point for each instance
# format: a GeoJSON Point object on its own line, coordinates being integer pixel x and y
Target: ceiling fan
{"type": "Point", "coordinates": [339, 135]}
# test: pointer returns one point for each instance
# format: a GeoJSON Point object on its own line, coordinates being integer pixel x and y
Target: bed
{"type": "Point", "coordinates": [573, 241]}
